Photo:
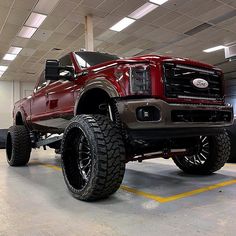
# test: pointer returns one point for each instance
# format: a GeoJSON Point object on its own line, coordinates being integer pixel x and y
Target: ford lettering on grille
{"type": "Point", "coordinates": [200, 83]}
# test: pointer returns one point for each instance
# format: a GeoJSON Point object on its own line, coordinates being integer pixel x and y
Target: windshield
{"type": "Point", "coordinates": [87, 59]}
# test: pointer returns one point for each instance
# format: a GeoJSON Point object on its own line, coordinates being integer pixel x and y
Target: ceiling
{"type": "Point", "coordinates": [181, 28]}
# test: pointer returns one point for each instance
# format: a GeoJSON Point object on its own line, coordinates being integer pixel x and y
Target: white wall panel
{"type": "Point", "coordinates": [6, 104]}
{"type": "Point", "coordinates": [10, 92]}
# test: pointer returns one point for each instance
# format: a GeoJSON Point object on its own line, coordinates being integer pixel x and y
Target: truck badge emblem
{"type": "Point", "coordinates": [200, 83]}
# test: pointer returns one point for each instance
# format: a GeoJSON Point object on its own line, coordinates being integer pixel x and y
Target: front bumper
{"type": "Point", "coordinates": [174, 116]}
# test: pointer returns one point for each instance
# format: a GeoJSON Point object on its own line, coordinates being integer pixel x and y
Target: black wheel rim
{"type": "Point", "coordinates": [200, 155]}
{"type": "Point", "coordinates": [84, 158]}
{"type": "Point", "coordinates": [77, 159]}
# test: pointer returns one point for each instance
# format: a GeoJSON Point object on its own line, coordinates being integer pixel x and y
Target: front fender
{"type": "Point", "coordinates": [98, 83]}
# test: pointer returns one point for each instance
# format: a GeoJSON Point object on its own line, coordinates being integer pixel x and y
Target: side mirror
{"type": "Point", "coordinates": [66, 72]}
{"type": "Point", "coordinates": [52, 70]}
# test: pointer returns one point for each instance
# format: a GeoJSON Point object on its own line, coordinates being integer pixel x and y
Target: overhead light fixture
{"type": "Point", "coordinates": [45, 6]}
{"type": "Point", "coordinates": [143, 10]}
{"type": "Point", "coordinates": [122, 24]}
{"type": "Point", "coordinates": [27, 32]}
{"type": "Point", "coordinates": [9, 57]}
{"type": "Point", "coordinates": [230, 52]}
{"type": "Point", "coordinates": [35, 20]}
{"type": "Point", "coordinates": [14, 50]}
{"type": "Point", "coordinates": [159, 2]}
{"type": "Point", "coordinates": [3, 68]}
{"type": "Point", "coordinates": [213, 49]}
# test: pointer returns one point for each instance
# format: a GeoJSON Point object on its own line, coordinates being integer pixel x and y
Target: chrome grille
{"type": "Point", "coordinates": [179, 82]}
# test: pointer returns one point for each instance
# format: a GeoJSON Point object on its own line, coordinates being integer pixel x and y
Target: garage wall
{"type": "Point", "coordinates": [6, 101]}
{"type": "Point", "coordinates": [10, 92]}
{"type": "Point", "coordinates": [230, 90]}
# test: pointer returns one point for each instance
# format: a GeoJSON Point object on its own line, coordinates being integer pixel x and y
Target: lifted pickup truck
{"type": "Point", "coordinates": [102, 112]}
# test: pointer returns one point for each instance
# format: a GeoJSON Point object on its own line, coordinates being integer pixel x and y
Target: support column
{"type": "Point", "coordinates": [16, 90]}
{"type": "Point", "coordinates": [89, 45]}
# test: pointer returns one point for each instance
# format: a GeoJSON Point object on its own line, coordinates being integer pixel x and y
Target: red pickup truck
{"type": "Point", "coordinates": [102, 111]}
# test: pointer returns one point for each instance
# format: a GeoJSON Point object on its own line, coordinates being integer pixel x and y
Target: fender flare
{"type": "Point", "coordinates": [21, 111]}
{"type": "Point", "coordinates": [98, 83]}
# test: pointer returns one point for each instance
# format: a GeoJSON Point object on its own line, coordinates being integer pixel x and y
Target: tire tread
{"type": "Point", "coordinates": [110, 157]}
{"type": "Point", "coordinates": [21, 145]}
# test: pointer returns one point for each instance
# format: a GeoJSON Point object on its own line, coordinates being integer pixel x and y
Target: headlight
{"type": "Point", "coordinates": [140, 80]}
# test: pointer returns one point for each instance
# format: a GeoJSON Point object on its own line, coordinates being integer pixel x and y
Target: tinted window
{"type": "Point", "coordinates": [65, 61]}
{"type": "Point", "coordinates": [42, 81]}
{"type": "Point", "coordinates": [86, 59]}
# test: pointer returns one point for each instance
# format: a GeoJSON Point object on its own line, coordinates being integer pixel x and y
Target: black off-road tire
{"type": "Point", "coordinates": [232, 137]}
{"type": "Point", "coordinates": [94, 138]}
{"type": "Point", "coordinates": [219, 153]}
{"type": "Point", "coordinates": [18, 146]}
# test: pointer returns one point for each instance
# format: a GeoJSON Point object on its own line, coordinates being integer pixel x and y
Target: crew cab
{"type": "Point", "coordinates": [102, 111]}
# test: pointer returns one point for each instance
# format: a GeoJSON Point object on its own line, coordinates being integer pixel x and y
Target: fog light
{"type": "Point", "coordinates": [148, 113]}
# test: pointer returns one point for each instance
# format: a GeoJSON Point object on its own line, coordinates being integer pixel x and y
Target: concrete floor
{"type": "Point", "coordinates": [34, 201]}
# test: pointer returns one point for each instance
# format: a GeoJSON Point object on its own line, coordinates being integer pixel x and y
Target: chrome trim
{"type": "Point", "coordinates": [130, 79]}
{"type": "Point", "coordinates": [104, 67]}
{"type": "Point", "coordinates": [211, 99]}
{"type": "Point", "coordinates": [196, 69]}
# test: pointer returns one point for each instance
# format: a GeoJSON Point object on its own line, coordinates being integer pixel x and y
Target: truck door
{"type": "Point", "coordinates": [38, 102]}
{"type": "Point", "coordinates": [60, 98]}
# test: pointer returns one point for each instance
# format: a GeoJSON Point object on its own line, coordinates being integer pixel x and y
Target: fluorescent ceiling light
{"type": "Point", "coordinates": [27, 32]}
{"type": "Point", "coordinates": [143, 10]}
{"type": "Point", "coordinates": [9, 57]}
{"type": "Point", "coordinates": [159, 2]}
{"type": "Point", "coordinates": [214, 49]}
{"type": "Point", "coordinates": [122, 24]}
{"type": "Point", "coordinates": [35, 20]}
{"type": "Point", "coordinates": [45, 6]}
{"type": "Point", "coordinates": [14, 50]}
{"type": "Point", "coordinates": [3, 68]}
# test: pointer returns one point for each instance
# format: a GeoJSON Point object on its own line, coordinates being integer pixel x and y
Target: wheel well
{"type": "Point", "coordinates": [92, 102]}
{"type": "Point", "coordinates": [19, 119]}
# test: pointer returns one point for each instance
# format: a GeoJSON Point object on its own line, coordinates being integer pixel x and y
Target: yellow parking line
{"type": "Point", "coordinates": [143, 194]}
{"type": "Point", "coordinates": [177, 196]}
{"type": "Point", "coordinates": [200, 190]}
{"type": "Point", "coordinates": [51, 166]}
{"type": "Point", "coordinates": [159, 198]}
{"type": "Point", "coordinates": [230, 164]}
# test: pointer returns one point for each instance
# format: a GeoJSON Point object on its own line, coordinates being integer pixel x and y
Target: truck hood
{"type": "Point", "coordinates": [151, 58]}
{"type": "Point", "coordinates": [179, 60]}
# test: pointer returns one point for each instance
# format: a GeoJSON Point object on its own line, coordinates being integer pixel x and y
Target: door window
{"type": "Point", "coordinates": [65, 61]}
{"type": "Point", "coordinates": [42, 81]}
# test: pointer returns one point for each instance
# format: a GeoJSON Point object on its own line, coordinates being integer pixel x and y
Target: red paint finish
{"type": "Point", "coordinates": [58, 99]}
